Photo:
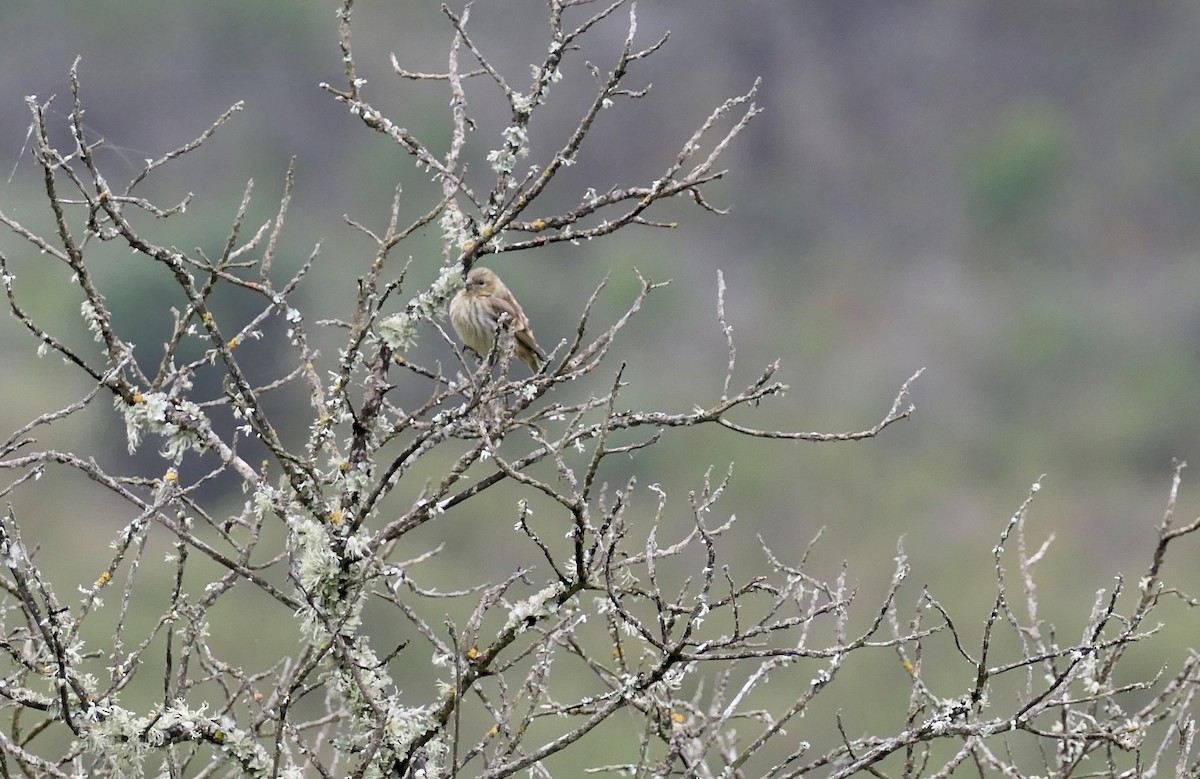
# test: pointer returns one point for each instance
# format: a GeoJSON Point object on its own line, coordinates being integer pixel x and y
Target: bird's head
{"type": "Point", "coordinates": [480, 281]}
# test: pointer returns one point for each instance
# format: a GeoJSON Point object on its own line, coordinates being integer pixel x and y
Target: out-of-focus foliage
{"type": "Point", "coordinates": [1011, 177]}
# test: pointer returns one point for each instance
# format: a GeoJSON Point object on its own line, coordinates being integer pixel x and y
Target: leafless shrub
{"type": "Point", "coordinates": [543, 659]}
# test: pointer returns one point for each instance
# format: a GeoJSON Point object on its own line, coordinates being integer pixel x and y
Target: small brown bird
{"type": "Point", "coordinates": [476, 309]}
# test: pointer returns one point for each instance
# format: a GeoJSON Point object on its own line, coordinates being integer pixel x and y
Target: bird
{"type": "Point", "coordinates": [475, 312]}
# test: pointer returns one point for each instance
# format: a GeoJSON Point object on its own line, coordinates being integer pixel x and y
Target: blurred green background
{"type": "Point", "coordinates": [1003, 192]}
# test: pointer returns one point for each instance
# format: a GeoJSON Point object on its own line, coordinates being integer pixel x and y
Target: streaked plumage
{"type": "Point", "coordinates": [476, 309]}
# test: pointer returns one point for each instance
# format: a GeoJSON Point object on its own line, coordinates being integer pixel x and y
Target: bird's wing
{"type": "Point", "coordinates": [525, 338]}
{"type": "Point", "coordinates": [507, 304]}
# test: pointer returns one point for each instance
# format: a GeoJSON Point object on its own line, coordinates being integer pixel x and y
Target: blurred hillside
{"type": "Point", "coordinates": [1004, 192]}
